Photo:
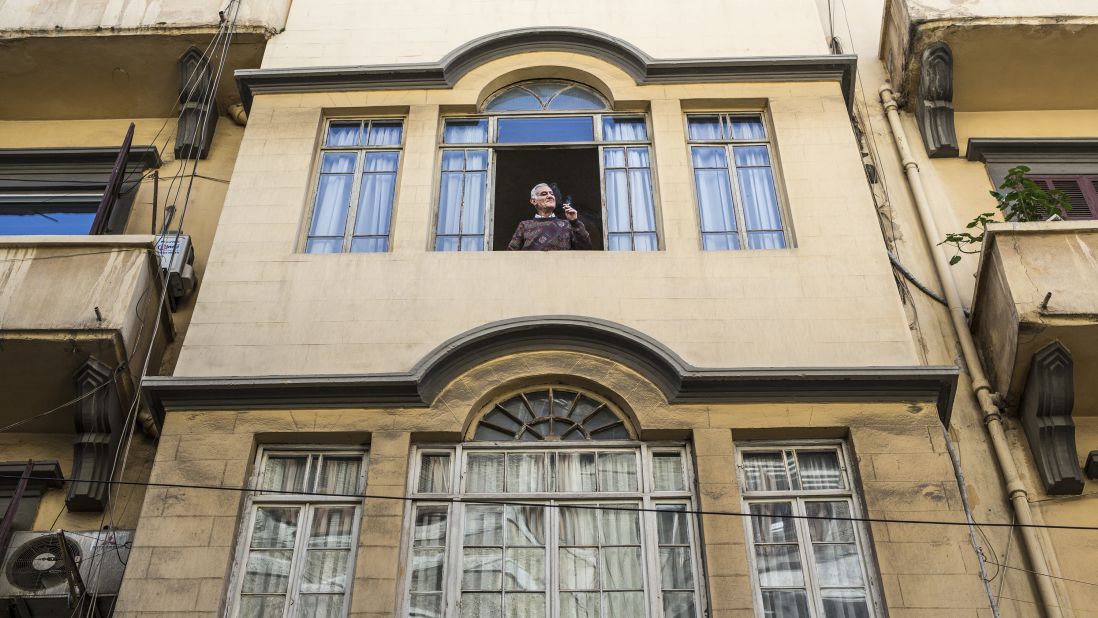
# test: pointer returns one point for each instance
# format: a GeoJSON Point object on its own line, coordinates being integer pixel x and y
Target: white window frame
{"type": "Point", "coordinates": [725, 118]}
{"type": "Point", "coordinates": [492, 146]}
{"type": "Point", "coordinates": [360, 151]}
{"type": "Point", "coordinates": [645, 497]}
{"type": "Point", "coordinates": [799, 497]}
{"type": "Point", "coordinates": [307, 504]}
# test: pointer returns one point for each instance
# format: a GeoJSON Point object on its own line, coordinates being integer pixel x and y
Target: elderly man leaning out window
{"type": "Point", "coordinates": [545, 232]}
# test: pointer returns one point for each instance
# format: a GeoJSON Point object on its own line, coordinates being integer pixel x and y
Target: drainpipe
{"type": "Point", "coordinates": [993, 417]}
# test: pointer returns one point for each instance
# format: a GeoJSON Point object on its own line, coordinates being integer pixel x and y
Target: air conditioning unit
{"type": "Point", "coordinates": [34, 566]}
{"type": "Point", "coordinates": [177, 262]}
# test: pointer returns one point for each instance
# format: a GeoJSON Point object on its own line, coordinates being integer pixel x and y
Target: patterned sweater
{"type": "Point", "coordinates": [551, 234]}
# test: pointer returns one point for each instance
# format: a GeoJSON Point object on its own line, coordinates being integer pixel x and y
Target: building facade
{"type": "Point", "coordinates": [738, 402]}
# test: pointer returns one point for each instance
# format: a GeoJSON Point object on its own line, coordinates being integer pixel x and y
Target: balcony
{"type": "Point", "coordinates": [1035, 320]}
{"type": "Point", "coordinates": [77, 318]}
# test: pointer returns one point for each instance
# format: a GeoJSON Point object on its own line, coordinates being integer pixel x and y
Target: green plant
{"type": "Point", "coordinates": [1018, 199]}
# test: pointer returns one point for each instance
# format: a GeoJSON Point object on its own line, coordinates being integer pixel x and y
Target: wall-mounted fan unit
{"type": "Point", "coordinates": [35, 567]}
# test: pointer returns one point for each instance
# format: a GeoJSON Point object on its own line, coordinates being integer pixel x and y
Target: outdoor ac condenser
{"type": "Point", "coordinates": [34, 566]}
{"type": "Point", "coordinates": [177, 261]}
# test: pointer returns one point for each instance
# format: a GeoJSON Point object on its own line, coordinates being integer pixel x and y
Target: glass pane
{"type": "Point", "coordinates": [476, 160]}
{"type": "Point", "coordinates": [576, 472]}
{"type": "Point", "coordinates": [623, 604]}
{"type": "Point", "coordinates": [545, 129]}
{"type": "Point", "coordinates": [385, 133]}
{"type": "Point", "coordinates": [579, 568]}
{"type": "Point", "coordinates": [745, 127]}
{"type": "Point", "coordinates": [778, 565]}
{"type": "Point", "coordinates": [472, 215]}
{"type": "Point", "coordinates": [524, 605]}
{"type": "Point", "coordinates": [343, 134]}
{"type": "Point", "coordinates": [703, 127]}
{"type": "Point", "coordinates": [637, 157]}
{"type": "Point", "coordinates": [619, 242]}
{"type": "Point", "coordinates": [434, 473]}
{"type": "Point", "coordinates": [764, 471]}
{"type": "Point", "coordinates": [617, 201]}
{"type": "Point", "coordinates": [516, 99]}
{"type": "Point", "coordinates": [481, 605]}
{"type": "Point", "coordinates": [524, 569]}
{"type": "Point", "coordinates": [718, 242]}
{"type": "Point", "coordinates": [321, 605]}
{"type": "Point", "coordinates": [539, 403]}
{"type": "Point", "coordinates": [715, 200]}
{"type": "Point", "coordinates": [640, 187]}
{"type": "Point", "coordinates": [449, 202]}
{"type": "Point", "coordinates": [578, 526]}
{"type": "Point", "coordinates": [430, 526]}
{"type": "Point", "coordinates": [819, 470]}
{"type": "Point", "coordinates": [284, 474]}
{"type": "Point", "coordinates": [267, 570]}
{"type": "Point", "coordinates": [673, 524]}
{"type": "Point", "coordinates": [644, 242]}
{"type": "Point", "coordinates": [484, 473]}
{"type": "Point", "coordinates": [333, 196]}
{"type": "Point", "coordinates": [338, 162]}
{"type": "Point", "coordinates": [617, 471]}
{"type": "Point", "coordinates": [525, 472]}
{"type": "Point", "coordinates": [370, 244]}
{"type": "Point", "coordinates": [324, 245]}
{"type": "Point", "coordinates": [676, 569]}
{"type": "Point", "coordinates": [261, 607]}
{"type": "Point", "coordinates": [332, 527]}
{"type": "Point", "coordinates": [667, 472]}
{"type": "Point", "coordinates": [482, 569]}
{"type": "Point", "coordinates": [427, 569]}
{"type": "Point", "coordinates": [453, 160]}
{"type": "Point", "coordinates": [709, 157]}
{"type": "Point", "coordinates": [766, 240]}
{"type": "Point", "coordinates": [375, 200]}
{"type": "Point", "coordinates": [830, 530]}
{"type": "Point", "coordinates": [525, 525]}
{"type": "Point", "coordinates": [340, 475]}
{"type": "Point", "coordinates": [760, 199]}
{"type": "Point", "coordinates": [845, 604]}
{"type": "Point", "coordinates": [41, 215]}
{"type": "Point", "coordinates": [425, 606]}
{"type": "Point", "coordinates": [785, 604]}
{"type": "Point", "coordinates": [471, 131]}
{"type": "Point", "coordinates": [678, 605]}
{"type": "Point", "coordinates": [747, 156]}
{"type": "Point", "coordinates": [448, 243]}
{"type": "Point", "coordinates": [773, 523]}
{"type": "Point", "coordinates": [618, 129]}
{"type": "Point", "coordinates": [621, 568]}
{"type": "Point", "coordinates": [325, 570]}
{"type": "Point", "coordinates": [579, 605]}
{"type": "Point", "coordinates": [472, 243]}
{"type": "Point", "coordinates": [838, 565]}
{"type": "Point", "coordinates": [483, 524]}
{"type": "Point", "coordinates": [575, 98]}
{"type": "Point", "coordinates": [613, 157]}
{"type": "Point", "coordinates": [275, 527]}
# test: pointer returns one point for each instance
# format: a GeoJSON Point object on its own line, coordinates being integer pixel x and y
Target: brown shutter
{"type": "Point", "coordinates": [1080, 191]}
{"type": "Point", "coordinates": [114, 185]}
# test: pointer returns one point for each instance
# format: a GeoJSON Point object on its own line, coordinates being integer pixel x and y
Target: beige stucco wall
{"type": "Point", "coordinates": [324, 33]}
{"type": "Point", "coordinates": [266, 308]}
{"type": "Point", "coordinates": [185, 548]}
{"type": "Point", "coordinates": [55, 17]}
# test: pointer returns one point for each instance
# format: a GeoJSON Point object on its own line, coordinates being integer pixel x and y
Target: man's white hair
{"type": "Point", "coordinates": [534, 191]}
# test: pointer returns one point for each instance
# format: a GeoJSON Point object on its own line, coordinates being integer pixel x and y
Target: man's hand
{"type": "Point", "coordinates": [570, 213]}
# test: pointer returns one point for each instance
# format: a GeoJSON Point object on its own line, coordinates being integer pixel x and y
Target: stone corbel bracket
{"type": "Point", "coordinates": [98, 431]}
{"type": "Point", "coordinates": [198, 115]}
{"type": "Point", "coordinates": [1046, 417]}
{"type": "Point", "coordinates": [934, 107]}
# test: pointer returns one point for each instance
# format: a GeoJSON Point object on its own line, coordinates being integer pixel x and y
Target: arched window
{"type": "Point", "coordinates": [545, 96]}
{"type": "Point", "coordinates": [552, 414]}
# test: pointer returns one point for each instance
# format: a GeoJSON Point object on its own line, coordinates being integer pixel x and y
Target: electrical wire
{"type": "Point", "coordinates": [67, 403]}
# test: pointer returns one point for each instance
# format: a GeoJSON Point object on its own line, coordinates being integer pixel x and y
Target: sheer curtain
{"type": "Point", "coordinates": [434, 473]}
{"type": "Point", "coordinates": [576, 472]}
{"type": "Point", "coordinates": [484, 473]}
{"type": "Point", "coordinates": [340, 475]}
{"type": "Point", "coordinates": [762, 216]}
{"type": "Point", "coordinates": [617, 471]}
{"type": "Point", "coordinates": [819, 470]}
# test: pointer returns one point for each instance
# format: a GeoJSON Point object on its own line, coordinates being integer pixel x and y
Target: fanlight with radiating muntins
{"type": "Point", "coordinates": [545, 96]}
{"type": "Point", "coordinates": [551, 414]}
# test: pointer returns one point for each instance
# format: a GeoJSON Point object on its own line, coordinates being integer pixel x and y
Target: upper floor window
{"type": "Point", "coordinates": [738, 202]}
{"type": "Point", "coordinates": [1081, 191]}
{"type": "Point", "coordinates": [356, 186]}
{"type": "Point", "coordinates": [538, 132]}
{"type": "Point", "coordinates": [807, 555]}
{"type": "Point", "coordinates": [300, 534]}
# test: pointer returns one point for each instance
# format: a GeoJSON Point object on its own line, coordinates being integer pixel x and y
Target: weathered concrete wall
{"type": "Point", "coordinates": [23, 17]}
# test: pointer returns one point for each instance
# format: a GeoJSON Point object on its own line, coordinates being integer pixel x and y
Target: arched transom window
{"type": "Point", "coordinates": [545, 96]}
{"type": "Point", "coordinates": [552, 414]}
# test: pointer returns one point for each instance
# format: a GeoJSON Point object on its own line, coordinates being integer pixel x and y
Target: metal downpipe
{"type": "Point", "coordinates": [993, 420]}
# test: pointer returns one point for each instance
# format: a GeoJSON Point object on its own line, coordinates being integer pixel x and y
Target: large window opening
{"type": "Point", "coordinates": [547, 131]}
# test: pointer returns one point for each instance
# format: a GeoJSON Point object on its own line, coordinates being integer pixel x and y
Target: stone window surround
{"type": "Point", "coordinates": [1044, 156]}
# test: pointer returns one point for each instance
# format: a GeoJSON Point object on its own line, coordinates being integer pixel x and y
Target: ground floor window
{"type": "Point", "coordinates": [588, 529]}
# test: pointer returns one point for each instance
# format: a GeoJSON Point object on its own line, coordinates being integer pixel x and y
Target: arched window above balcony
{"type": "Point", "coordinates": [545, 96]}
{"type": "Point", "coordinates": [552, 414]}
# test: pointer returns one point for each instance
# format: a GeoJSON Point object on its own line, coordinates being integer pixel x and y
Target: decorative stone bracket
{"type": "Point", "coordinates": [99, 426]}
{"type": "Point", "coordinates": [1046, 417]}
{"type": "Point", "coordinates": [934, 107]}
{"type": "Point", "coordinates": [198, 116]}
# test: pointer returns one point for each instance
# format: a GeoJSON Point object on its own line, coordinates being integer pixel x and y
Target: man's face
{"type": "Point", "coordinates": [544, 200]}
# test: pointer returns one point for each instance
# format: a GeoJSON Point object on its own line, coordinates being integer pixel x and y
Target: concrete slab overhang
{"type": "Point", "coordinates": [64, 302]}
{"type": "Point", "coordinates": [679, 381]}
{"type": "Point", "coordinates": [1037, 283]}
{"type": "Point", "coordinates": [643, 68]}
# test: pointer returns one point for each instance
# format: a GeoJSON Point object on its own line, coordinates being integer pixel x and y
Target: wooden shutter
{"type": "Point", "coordinates": [1081, 191]}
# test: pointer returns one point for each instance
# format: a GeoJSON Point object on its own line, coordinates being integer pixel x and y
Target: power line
{"type": "Point", "coordinates": [68, 403]}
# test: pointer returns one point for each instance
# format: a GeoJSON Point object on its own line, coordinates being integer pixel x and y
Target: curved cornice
{"type": "Point", "coordinates": [679, 381]}
{"type": "Point", "coordinates": [640, 66]}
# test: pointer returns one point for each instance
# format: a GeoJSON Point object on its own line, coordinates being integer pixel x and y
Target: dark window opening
{"type": "Point", "coordinates": [1081, 192]}
{"type": "Point", "coordinates": [574, 170]}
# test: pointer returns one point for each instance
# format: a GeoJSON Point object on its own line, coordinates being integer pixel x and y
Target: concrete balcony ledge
{"type": "Point", "coordinates": [1037, 283]}
{"type": "Point", "coordinates": [127, 241]}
